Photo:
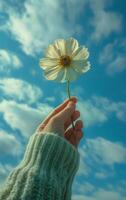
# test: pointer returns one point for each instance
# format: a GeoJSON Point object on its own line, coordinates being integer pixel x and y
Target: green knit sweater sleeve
{"type": "Point", "coordinates": [46, 171]}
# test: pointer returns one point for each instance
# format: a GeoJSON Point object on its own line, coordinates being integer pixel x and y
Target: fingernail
{"type": "Point", "coordinates": [74, 99]}
{"type": "Point", "coordinates": [71, 103]}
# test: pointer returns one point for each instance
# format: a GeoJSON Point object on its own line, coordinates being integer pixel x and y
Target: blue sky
{"type": "Point", "coordinates": [26, 29]}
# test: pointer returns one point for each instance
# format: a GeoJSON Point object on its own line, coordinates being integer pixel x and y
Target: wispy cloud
{"type": "Point", "coordinates": [104, 22]}
{"type": "Point", "coordinates": [99, 158]}
{"type": "Point", "coordinates": [104, 151]}
{"type": "Point", "coordinates": [90, 113]}
{"type": "Point", "coordinates": [103, 174]}
{"type": "Point", "coordinates": [20, 90]}
{"type": "Point", "coordinates": [9, 144]}
{"type": "Point", "coordinates": [100, 152]}
{"type": "Point", "coordinates": [74, 9]}
{"type": "Point", "coordinates": [9, 61]}
{"type": "Point", "coordinates": [103, 194]}
{"type": "Point", "coordinates": [22, 109]}
{"type": "Point", "coordinates": [98, 110]}
{"type": "Point", "coordinates": [113, 56]}
{"type": "Point", "coordinates": [23, 117]}
{"type": "Point", "coordinates": [84, 188]}
{"type": "Point", "coordinates": [39, 23]}
{"type": "Point", "coordinates": [4, 172]}
{"type": "Point", "coordinates": [42, 26]}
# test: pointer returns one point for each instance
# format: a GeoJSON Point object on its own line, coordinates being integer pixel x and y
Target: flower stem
{"type": "Point", "coordinates": [68, 92]}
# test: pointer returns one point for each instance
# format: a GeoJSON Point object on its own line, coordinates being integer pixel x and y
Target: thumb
{"type": "Point", "coordinates": [66, 113]}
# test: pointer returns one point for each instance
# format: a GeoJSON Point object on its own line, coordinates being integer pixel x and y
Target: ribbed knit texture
{"type": "Point", "coordinates": [46, 171]}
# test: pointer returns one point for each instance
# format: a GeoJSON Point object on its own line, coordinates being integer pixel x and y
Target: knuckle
{"type": "Point", "coordinates": [69, 109]}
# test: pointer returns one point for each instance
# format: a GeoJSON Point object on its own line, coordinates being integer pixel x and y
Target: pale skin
{"type": "Point", "coordinates": [59, 121]}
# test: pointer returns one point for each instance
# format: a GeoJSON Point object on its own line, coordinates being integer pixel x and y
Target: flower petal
{"type": "Point", "coordinates": [71, 46]}
{"type": "Point", "coordinates": [52, 73]}
{"type": "Point", "coordinates": [81, 66]}
{"type": "Point", "coordinates": [52, 52]}
{"type": "Point", "coordinates": [48, 62]}
{"type": "Point", "coordinates": [61, 76]}
{"type": "Point", "coordinates": [71, 74]}
{"type": "Point", "coordinates": [80, 54]}
{"type": "Point", "coordinates": [60, 44]}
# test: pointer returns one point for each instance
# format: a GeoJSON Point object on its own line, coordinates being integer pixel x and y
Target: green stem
{"type": "Point", "coordinates": [68, 92]}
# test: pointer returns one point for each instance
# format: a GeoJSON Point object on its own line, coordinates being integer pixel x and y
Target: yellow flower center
{"type": "Point", "coordinates": [65, 61]}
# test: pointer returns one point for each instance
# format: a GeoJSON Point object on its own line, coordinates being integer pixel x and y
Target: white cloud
{"type": "Point", "coordinates": [105, 152]}
{"type": "Point", "coordinates": [111, 107]}
{"type": "Point", "coordinates": [86, 191]}
{"type": "Point", "coordinates": [39, 23]}
{"type": "Point", "coordinates": [103, 174]}
{"type": "Point", "coordinates": [5, 169]}
{"type": "Point", "coordinates": [90, 113]}
{"type": "Point", "coordinates": [104, 22]}
{"type": "Point", "coordinates": [42, 26]}
{"type": "Point", "coordinates": [118, 186]}
{"type": "Point", "coordinates": [50, 99]}
{"type": "Point", "coordinates": [74, 9]}
{"type": "Point", "coordinates": [9, 144]}
{"type": "Point", "coordinates": [9, 61]}
{"type": "Point", "coordinates": [84, 169]}
{"type": "Point", "coordinates": [83, 187]}
{"type": "Point", "coordinates": [23, 117]}
{"type": "Point", "coordinates": [106, 194]}
{"type": "Point", "coordinates": [98, 156]}
{"type": "Point", "coordinates": [81, 197]}
{"type": "Point", "coordinates": [100, 194]}
{"type": "Point", "coordinates": [99, 109]}
{"type": "Point", "coordinates": [113, 56]}
{"type": "Point", "coordinates": [118, 65]}
{"type": "Point", "coordinates": [107, 53]}
{"type": "Point", "coordinates": [20, 90]}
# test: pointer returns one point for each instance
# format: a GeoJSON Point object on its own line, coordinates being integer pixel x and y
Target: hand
{"type": "Point", "coordinates": [59, 121]}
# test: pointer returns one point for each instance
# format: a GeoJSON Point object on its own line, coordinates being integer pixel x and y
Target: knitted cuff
{"type": "Point", "coordinates": [46, 171]}
{"type": "Point", "coordinates": [48, 151]}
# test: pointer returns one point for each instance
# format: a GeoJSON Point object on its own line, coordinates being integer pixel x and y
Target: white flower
{"type": "Point", "coordinates": [65, 60]}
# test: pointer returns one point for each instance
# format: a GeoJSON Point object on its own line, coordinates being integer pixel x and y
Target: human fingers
{"type": "Point", "coordinates": [56, 110]}
{"type": "Point", "coordinates": [74, 116]}
{"type": "Point", "coordinates": [73, 136]}
{"type": "Point", "coordinates": [78, 127]}
{"type": "Point", "coordinates": [79, 135]}
{"type": "Point", "coordinates": [66, 113]}
{"type": "Point", "coordinates": [70, 133]}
